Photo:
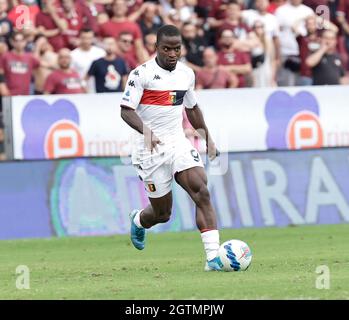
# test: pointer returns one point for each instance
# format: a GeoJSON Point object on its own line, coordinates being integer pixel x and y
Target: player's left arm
{"type": "Point", "coordinates": [197, 120]}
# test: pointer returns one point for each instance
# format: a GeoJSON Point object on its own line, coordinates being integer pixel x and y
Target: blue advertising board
{"type": "Point", "coordinates": [93, 196]}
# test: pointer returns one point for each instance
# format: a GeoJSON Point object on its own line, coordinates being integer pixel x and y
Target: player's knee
{"type": "Point", "coordinates": [164, 219]}
{"type": "Point", "coordinates": [163, 216]}
{"type": "Point", "coordinates": [202, 196]}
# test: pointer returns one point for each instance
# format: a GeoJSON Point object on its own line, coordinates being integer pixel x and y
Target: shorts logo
{"type": "Point", "coordinates": [51, 130]}
{"type": "Point", "coordinates": [151, 187]}
{"type": "Point", "coordinates": [195, 155]}
{"type": "Point", "coordinates": [293, 121]}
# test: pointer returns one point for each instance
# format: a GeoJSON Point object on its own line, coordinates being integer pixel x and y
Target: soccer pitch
{"type": "Point", "coordinates": [171, 266]}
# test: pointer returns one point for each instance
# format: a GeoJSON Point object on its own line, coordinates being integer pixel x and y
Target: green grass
{"type": "Point", "coordinates": [171, 266]}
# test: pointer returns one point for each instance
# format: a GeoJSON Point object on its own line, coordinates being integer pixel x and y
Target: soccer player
{"type": "Point", "coordinates": [152, 104]}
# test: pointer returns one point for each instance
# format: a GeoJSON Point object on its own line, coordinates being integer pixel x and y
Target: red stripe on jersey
{"type": "Point", "coordinates": [156, 97]}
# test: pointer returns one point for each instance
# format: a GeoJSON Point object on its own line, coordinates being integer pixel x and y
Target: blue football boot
{"type": "Point", "coordinates": [137, 234]}
{"type": "Point", "coordinates": [214, 265]}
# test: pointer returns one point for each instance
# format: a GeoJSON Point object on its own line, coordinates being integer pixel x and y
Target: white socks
{"type": "Point", "coordinates": [137, 219]}
{"type": "Point", "coordinates": [210, 239]}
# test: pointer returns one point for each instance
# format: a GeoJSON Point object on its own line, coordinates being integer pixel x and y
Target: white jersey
{"type": "Point", "coordinates": [158, 97]}
{"type": "Point", "coordinates": [287, 16]}
{"type": "Point", "coordinates": [271, 25]}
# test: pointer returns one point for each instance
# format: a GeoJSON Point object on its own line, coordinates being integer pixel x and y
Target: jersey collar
{"type": "Point", "coordinates": [164, 70]}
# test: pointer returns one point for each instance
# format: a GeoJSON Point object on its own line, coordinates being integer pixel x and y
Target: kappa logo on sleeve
{"type": "Point", "coordinates": [293, 121]}
{"type": "Point", "coordinates": [131, 83]}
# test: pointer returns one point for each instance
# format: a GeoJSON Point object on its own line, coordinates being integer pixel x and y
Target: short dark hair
{"type": "Point", "coordinates": [14, 34]}
{"type": "Point", "coordinates": [168, 30]}
{"type": "Point", "coordinates": [86, 30]}
{"type": "Point", "coordinates": [125, 33]}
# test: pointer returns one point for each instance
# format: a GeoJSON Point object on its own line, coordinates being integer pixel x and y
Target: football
{"type": "Point", "coordinates": [235, 255]}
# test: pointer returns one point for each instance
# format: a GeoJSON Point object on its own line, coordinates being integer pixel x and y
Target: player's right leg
{"type": "Point", "coordinates": [159, 211]}
{"type": "Point", "coordinates": [157, 182]}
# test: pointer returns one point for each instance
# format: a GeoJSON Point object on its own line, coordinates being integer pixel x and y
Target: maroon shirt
{"type": "Point", "coordinates": [130, 59]}
{"type": "Point", "coordinates": [307, 45]}
{"type": "Point", "coordinates": [75, 22]}
{"type": "Point", "coordinates": [314, 4]}
{"type": "Point", "coordinates": [234, 58]}
{"type": "Point", "coordinates": [343, 7]}
{"type": "Point", "coordinates": [113, 29]}
{"type": "Point", "coordinates": [240, 30]}
{"type": "Point", "coordinates": [45, 20]}
{"type": "Point", "coordinates": [217, 79]}
{"type": "Point", "coordinates": [61, 82]}
{"type": "Point", "coordinates": [213, 8]}
{"type": "Point", "coordinates": [90, 13]}
{"type": "Point", "coordinates": [18, 70]}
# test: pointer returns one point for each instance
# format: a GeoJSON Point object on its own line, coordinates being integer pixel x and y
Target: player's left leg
{"type": "Point", "coordinates": [194, 181]}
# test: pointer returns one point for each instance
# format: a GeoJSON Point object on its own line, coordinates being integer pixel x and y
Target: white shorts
{"type": "Point", "coordinates": [157, 171]}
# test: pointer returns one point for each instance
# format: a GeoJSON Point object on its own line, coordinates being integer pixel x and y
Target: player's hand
{"type": "Point", "coordinates": [152, 141]}
{"type": "Point", "coordinates": [212, 151]}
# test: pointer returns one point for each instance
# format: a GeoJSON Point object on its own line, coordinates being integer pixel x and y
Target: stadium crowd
{"type": "Point", "coordinates": [86, 46]}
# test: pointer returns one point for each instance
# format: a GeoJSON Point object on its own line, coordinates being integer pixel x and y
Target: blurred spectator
{"type": "Point", "coordinates": [274, 4]}
{"type": "Point", "coordinates": [64, 80]}
{"type": "Point", "coordinates": [150, 44]}
{"type": "Point", "coordinates": [287, 15]}
{"type": "Point", "coordinates": [120, 23]}
{"type": "Point", "coordinates": [124, 44]}
{"type": "Point", "coordinates": [269, 21]}
{"type": "Point", "coordinates": [315, 4]}
{"type": "Point", "coordinates": [23, 13]}
{"type": "Point", "coordinates": [6, 26]}
{"type": "Point", "coordinates": [91, 9]}
{"type": "Point", "coordinates": [233, 60]}
{"type": "Point", "coordinates": [132, 5]}
{"type": "Point", "coordinates": [48, 60]}
{"type": "Point", "coordinates": [262, 57]}
{"type": "Point", "coordinates": [309, 41]}
{"type": "Point", "coordinates": [110, 72]}
{"type": "Point", "coordinates": [181, 12]}
{"type": "Point", "coordinates": [150, 18]}
{"type": "Point", "coordinates": [75, 21]}
{"type": "Point", "coordinates": [30, 34]}
{"type": "Point", "coordinates": [342, 14]}
{"type": "Point", "coordinates": [213, 76]}
{"type": "Point", "coordinates": [326, 65]}
{"type": "Point", "coordinates": [50, 24]}
{"type": "Point", "coordinates": [101, 19]}
{"type": "Point", "coordinates": [194, 45]}
{"type": "Point", "coordinates": [83, 56]}
{"type": "Point", "coordinates": [234, 22]}
{"type": "Point", "coordinates": [213, 11]}
{"type": "Point", "coordinates": [16, 67]}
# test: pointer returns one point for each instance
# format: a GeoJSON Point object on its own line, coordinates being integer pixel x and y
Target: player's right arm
{"type": "Point", "coordinates": [129, 102]}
